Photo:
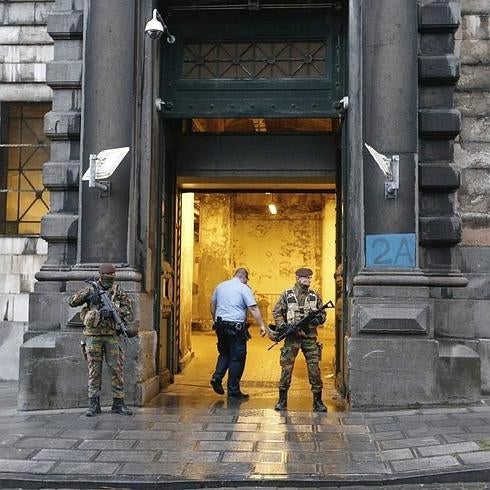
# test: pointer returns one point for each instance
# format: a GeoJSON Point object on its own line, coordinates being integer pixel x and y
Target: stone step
{"type": "Point", "coordinates": [17, 283]}
{"type": "Point", "coordinates": [11, 334]}
{"type": "Point", "coordinates": [10, 283]}
{"type": "Point", "coordinates": [23, 246]}
{"type": "Point", "coordinates": [14, 307]}
{"type": "Point", "coordinates": [21, 264]}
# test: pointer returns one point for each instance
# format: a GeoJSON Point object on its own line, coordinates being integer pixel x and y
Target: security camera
{"type": "Point", "coordinates": [154, 27]}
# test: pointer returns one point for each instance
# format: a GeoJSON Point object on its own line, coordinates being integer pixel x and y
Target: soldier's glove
{"type": "Point", "coordinates": [105, 312]}
{"type": "Point", "coordinates": [316, 321]}
{"type": "Point", "coordinates": [93, 298]}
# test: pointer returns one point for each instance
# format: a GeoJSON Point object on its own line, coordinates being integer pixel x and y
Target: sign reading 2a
{"type": "Point", "coordinates": [390, 250]}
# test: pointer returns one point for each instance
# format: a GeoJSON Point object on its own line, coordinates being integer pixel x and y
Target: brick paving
{"type": "Point", "coordinates": [189, 437]}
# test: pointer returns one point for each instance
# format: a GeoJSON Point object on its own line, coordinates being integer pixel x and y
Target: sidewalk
{"type": "Point", "coordinates": [196, 438]}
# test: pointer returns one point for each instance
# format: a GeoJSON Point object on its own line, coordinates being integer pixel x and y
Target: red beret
{"type": "Point", "coordinates": [107, 269]}
{"type": "Point", "coordinates": [304, 272]}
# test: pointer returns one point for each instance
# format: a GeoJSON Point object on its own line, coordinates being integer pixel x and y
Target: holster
{"type": "Point", "coordinates": [218, 324]}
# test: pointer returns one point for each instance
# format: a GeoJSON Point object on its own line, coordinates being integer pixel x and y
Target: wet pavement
{"type": "Point", "coordinates": [189, 437]}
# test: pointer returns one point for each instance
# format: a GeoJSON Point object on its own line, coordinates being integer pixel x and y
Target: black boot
{"type": "Point", "coordinates": [119, 407]}
{"type": "Point", "coordinates": [282, 403]}
{"type": "Point", "coordinates": [318, 405]}
{"type": "Point", "coordinates": [94, 407]}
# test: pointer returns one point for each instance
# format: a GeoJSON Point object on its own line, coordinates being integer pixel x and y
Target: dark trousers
{"type": "Point", "coordinates": [232, 349]}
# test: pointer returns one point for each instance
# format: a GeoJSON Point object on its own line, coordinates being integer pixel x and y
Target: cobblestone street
{"type": "Point", "coordinates": [189, 437]}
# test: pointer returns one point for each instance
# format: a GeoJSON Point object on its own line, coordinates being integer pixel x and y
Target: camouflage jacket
{"type": "Point", "coordinates": [294, 304]}
{"type": "Point", "coordinates": [89, 314]}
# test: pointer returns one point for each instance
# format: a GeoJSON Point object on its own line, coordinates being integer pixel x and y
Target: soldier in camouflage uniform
{"type": "Point", "coordinates": [102, 340]}
{"type": "Point", "coordinates": [293, 305]}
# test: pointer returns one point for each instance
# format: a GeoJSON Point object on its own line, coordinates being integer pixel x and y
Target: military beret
{"type": "Point", "coordinates": [304, 272]}
{"type": "Point", "coordinates": [107, 269]}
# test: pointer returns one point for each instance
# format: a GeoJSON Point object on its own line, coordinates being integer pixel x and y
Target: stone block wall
{"type": "Point", "coordinates": [472, 160]}
{"type": "Point", "coordinates": [20, 259]}
{"type": "Point", "coordinates": [25, 50]}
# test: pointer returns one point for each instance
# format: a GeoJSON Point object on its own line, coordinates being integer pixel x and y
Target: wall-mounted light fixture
{"type": "Point", "coordinates": [390, 166]}
{"type": "Point", "coordinates": [102, 166]}
{"type": "Point", "coordinates": [156, 27]}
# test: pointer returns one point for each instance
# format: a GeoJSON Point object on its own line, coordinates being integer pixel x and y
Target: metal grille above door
{"type": "Point", "coordinates": [265, 63]}
{"type": "Point", "coordinates": [252, 61]}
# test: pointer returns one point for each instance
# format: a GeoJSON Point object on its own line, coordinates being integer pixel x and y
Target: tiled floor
{"type": "Point", "coordinates": [260, 378]}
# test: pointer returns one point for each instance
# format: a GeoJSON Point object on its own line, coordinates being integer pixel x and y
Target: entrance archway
{"type": "Point", "coordinates": [271, 234]}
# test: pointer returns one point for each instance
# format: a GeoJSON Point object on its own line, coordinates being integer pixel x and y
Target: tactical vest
{"type": "Point", "coordinates": [94, 325]}
{"type": "Point", "coordinates": [295, 311]}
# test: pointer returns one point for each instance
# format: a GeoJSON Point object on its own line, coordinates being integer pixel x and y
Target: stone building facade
{"type": "Point", "coordinates": [416, 74]}
{"type": "Point", "coordinates": [472, 161]}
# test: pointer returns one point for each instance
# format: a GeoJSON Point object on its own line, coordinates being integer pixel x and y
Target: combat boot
{"type": "Point", "coordinates": [119, 407]}
{"type": "Point", "coordinates": [94, 407]}
{"type": "Point", "coordinates": [282, 403]}
{"type": "Point", "coordinates": [318, 405]}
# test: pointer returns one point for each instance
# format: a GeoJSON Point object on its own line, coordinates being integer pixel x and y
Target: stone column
{"type": "Point", "coordinates": [392, 357]}
{"type": "Point", "coordinates": [109, 97]}
{"type": "Point", "coordinates": [108, 112]}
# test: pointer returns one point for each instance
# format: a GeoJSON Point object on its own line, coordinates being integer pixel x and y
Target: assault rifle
{"type": "Point", "coordinates": [103, 297]}
{"type": "Point", "coordinates": [287, 329]}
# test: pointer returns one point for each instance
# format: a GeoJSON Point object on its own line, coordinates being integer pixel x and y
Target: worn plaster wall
{"type": "Point", "coordinates": [186, 276]}
{"type": "Point", "coordinates": [472, 159]}
{"type": "Point", "coordinates": [238, 231]}
{"type": "Point", "coordinates": [214, 250]}
{"type": "Point", "coordinates": [272, 247]}
{"type": "Point", "coordinates": [25, 48]}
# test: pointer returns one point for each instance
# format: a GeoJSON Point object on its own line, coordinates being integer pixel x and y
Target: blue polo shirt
{"type": "Point", "coordinates": [231, 299]}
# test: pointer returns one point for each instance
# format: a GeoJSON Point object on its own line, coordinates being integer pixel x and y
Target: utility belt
{"type": "Point", "coordinates": [230, 328]}
{"type": "Point", "coordinates": [238, 326]}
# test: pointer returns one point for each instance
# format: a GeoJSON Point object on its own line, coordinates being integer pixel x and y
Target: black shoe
{"type": "Point", "coordinates": [217, 386]}
{"type": "Point", "coordinates": [282, 403]}
{"type": "Point", "coordinates": [118, 406]}
{"type": "Point", "coordinates": [239, 396]}
{"type": "Point", "coordinates": [94, 407]}
{"type": "Point", "coordinates": [318, 405]}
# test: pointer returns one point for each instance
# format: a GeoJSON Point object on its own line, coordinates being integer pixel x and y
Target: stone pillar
{"type": "Point", "coordinates": [110, 82]}
{"type": "Point", "coordinates": [392, 356]}
{"type": "Point", "coordinates": [109, 96]}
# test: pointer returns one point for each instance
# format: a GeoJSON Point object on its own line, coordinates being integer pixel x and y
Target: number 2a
{"type": "Point", "coordinates": [403, 254]}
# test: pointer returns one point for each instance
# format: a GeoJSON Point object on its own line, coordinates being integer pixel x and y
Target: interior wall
{"type": "Point", "coordinates": [214, 259]}
{"type": "Point", "coordinates": [186, 276]}
{"type": "Point", "coordinates": [328, 255]}
{"type": "Point", "coordinates": [237, 230]}
{"type": "Point", "coordinates": [272, 247]}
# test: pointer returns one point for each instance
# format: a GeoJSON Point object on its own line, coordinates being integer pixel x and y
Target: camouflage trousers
{"type": "Point", "coordinates": [98, 347]}
{"type": "Point", "coordinates": [311, 351]}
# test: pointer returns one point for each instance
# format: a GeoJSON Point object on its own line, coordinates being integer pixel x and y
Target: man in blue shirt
{"type": "Point", "coordinates": [229, 305]}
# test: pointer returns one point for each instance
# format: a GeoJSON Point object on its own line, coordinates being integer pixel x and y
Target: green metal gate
{"type": "Point", "coordinates": [264, 63]}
